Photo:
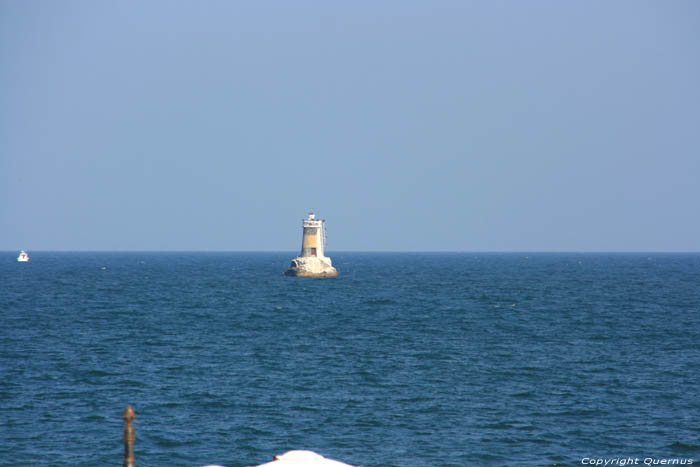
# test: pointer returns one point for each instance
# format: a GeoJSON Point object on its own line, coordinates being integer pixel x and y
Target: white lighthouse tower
{"type": "Point", "coordinates": [312, 262]}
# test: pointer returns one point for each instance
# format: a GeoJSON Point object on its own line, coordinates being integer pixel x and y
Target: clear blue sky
{"type": "Point", "coordinates": [407, 125]}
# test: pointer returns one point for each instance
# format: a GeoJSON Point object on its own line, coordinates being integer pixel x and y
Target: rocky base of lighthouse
{"type": "Point", "coordinates": [311, 266]}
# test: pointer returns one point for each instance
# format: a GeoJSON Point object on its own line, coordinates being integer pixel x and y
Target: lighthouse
{"type": "Point", "coordinates": [312, 262]}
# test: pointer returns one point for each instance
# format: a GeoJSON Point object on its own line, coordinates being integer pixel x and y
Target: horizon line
{"type": "Point", "coordinates": [374, 251]}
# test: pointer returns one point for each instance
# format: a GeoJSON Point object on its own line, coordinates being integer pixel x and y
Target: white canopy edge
{"type": "Point", "coordinates": [299, 458]}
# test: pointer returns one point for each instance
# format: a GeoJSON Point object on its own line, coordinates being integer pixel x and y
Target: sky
{"type": "Point", "coordinates": [407, 125]}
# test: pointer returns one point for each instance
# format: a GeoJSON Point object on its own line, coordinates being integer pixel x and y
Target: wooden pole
{"type": "Point", "coordinates": [129, 436]}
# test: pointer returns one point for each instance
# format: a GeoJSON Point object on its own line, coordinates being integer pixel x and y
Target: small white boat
{"type": "Point", "coordinates": [23, 257]}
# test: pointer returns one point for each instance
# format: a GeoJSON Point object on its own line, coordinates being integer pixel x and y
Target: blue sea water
{"type": "Point", "coordinates": [407, 359]}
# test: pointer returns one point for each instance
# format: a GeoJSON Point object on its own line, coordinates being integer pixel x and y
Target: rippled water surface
{"type": "Point", "coordinates": [405, 360]}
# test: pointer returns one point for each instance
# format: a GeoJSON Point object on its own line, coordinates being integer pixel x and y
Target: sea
{"type": "Point", "coordinates": [405, 360]}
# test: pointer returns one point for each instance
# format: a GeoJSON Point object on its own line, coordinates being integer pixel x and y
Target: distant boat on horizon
{"type": "Point", "coordinates": [23, 257]}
